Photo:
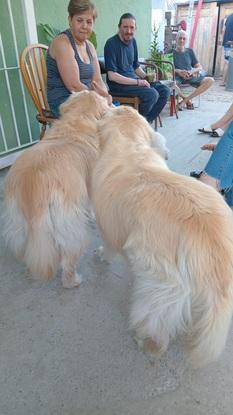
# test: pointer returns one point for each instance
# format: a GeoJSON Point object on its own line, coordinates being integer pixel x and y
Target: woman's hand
{"type": "Point", "coordinates": [102, 91]}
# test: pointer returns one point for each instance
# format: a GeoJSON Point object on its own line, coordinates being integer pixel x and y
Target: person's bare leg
{"type": "Point", "coordinates": [224, 121]}
{"type": "Point", "coordinates": [210, 181]}
{"type": "Point", "coordinates": [178, 91]}
{"type": "Point", "coordinates": [182, 103]}
{"type": "Point", "coordinates": [205, 84]}
{"type": "Point", "coordinates": [224, 77]}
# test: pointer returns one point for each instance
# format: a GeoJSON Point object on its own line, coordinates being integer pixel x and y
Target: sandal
{"type": "Point", "coordinates": [217, 133]}
{"type": "Point", "coordinates": [190, 106]}
{"type": "Point", "coordinates": [206, 130]}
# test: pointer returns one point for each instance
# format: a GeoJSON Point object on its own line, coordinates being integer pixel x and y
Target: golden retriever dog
{"type": "Point", "coordinates": [47, 191]}
{"type": "Point", "coordinates": [176, 233]}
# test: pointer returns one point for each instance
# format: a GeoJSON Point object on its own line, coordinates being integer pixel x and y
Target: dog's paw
{"type": "Point", "coordinates": [149, 347]}
{"type": "Point", "coordinates": [69, 282]}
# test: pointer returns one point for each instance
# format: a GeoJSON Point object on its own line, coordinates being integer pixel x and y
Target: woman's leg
{"type": "Point", "coordinates": [224, 120]}
{"type": "Point", "coordinates": [218, 172]}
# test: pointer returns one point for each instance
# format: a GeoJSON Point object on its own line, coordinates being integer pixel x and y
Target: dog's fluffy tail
{"type": "Point", "coordinates": [43, 242]}
{"type": "Point", "coordinates": [211, 322]}
{"type": "Point", "coordinates": [31, 242]}
{"type": "Point", "coordinates": [210, 267]}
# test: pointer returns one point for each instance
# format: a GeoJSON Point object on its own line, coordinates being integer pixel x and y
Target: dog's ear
{"type": "Point", "coordinates": [71, 102]}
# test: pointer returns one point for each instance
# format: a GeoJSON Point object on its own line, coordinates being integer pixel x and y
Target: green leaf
{"type": "Point", "coordinates": [93, 39]}
{"type": "Point", "coordinates": [50, 32]}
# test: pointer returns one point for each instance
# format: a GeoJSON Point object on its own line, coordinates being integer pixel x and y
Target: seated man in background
{"type": "Point", "coordinates": [125, 76]}
{"type": "Point", "coordinates": [188, 71]}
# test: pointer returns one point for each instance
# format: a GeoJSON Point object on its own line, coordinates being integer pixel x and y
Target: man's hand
{"type": "Point", "coordinates": [143, 82]}
{"type": "Point", "coordinates": [183, 73]}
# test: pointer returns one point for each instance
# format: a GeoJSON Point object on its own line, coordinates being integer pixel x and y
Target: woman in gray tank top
{"type": "Point", "coordinates": [72, 63]}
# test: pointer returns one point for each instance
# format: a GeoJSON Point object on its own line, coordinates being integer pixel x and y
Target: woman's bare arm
{"type": "Point", "coordinates": [62, 51]}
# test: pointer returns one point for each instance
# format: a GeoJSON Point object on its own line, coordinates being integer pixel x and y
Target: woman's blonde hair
{"type": "Point", "coordinates": [81, 6]}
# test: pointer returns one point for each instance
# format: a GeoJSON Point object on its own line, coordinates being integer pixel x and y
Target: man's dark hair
{"type": "Point", "coordinates": [126, 16]}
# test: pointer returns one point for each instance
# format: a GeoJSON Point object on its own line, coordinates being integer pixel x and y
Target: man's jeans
{"type": "Point", "coordinates": [152, 99]}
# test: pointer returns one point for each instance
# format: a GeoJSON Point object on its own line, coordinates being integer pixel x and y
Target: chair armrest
{"type": "Point", "coordinates": [102, 65]}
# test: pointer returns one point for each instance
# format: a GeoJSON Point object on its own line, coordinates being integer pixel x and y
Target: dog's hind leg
{"type": "Point", "coordinates": [71, 236]}
{"type": "Point", "coordinates": [72, 249]}
{"type": "Point", "coordinates": [159, 309]}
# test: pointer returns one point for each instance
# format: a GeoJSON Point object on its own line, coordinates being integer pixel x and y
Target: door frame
{"type": "Point", "coordinates": [31, 35]}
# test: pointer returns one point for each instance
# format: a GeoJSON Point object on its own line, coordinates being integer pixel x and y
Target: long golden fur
{"type": "Point", "coordinates": [47, 191]}
{"type": "Point", "coordinates": [176, 233]}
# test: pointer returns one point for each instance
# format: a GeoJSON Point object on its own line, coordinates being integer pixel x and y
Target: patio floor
{"type": "Point", "coordinates": [70, 353]}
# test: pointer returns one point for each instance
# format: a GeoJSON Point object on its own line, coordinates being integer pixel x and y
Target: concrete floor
{"type": "Point", "coordinates": [70, 352]}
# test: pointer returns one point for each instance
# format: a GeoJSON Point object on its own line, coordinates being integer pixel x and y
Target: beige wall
{"type": "Point", "coordinates": [206, 33]}
{"type": "Point", "coordinates": [205, 39]}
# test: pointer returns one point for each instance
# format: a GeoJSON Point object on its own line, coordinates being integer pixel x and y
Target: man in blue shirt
{"type": "Point", "coordinates": [125, 76]}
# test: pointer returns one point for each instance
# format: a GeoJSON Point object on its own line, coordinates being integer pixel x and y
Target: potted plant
{"type": "Point", "coordinates": [158, 57]}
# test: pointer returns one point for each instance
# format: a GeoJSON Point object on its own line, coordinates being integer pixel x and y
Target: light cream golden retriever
{"type": "Point", "coordinates": [47, 191]}
{"type": "Point", "coordinates": [176, 233]}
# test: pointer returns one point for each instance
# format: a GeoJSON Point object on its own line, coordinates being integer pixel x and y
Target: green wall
{"type": "Point", "coordinates": [109, 12]}
{"type": "Point", "coordinates": [55, 13]}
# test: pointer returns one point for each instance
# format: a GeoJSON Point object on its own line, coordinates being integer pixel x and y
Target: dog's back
{"type": "Point", "coordinates": [43, 189]}
{"type": "Point", "coordinates": [46, 194]}
{"type": "Point", "coordinates": [177, 234]}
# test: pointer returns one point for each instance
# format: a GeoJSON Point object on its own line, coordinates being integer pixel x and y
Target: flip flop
{"type": "Point", "coordinates": [206, 130]}
{"type": "Point", "coordinates": [217, 133]}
